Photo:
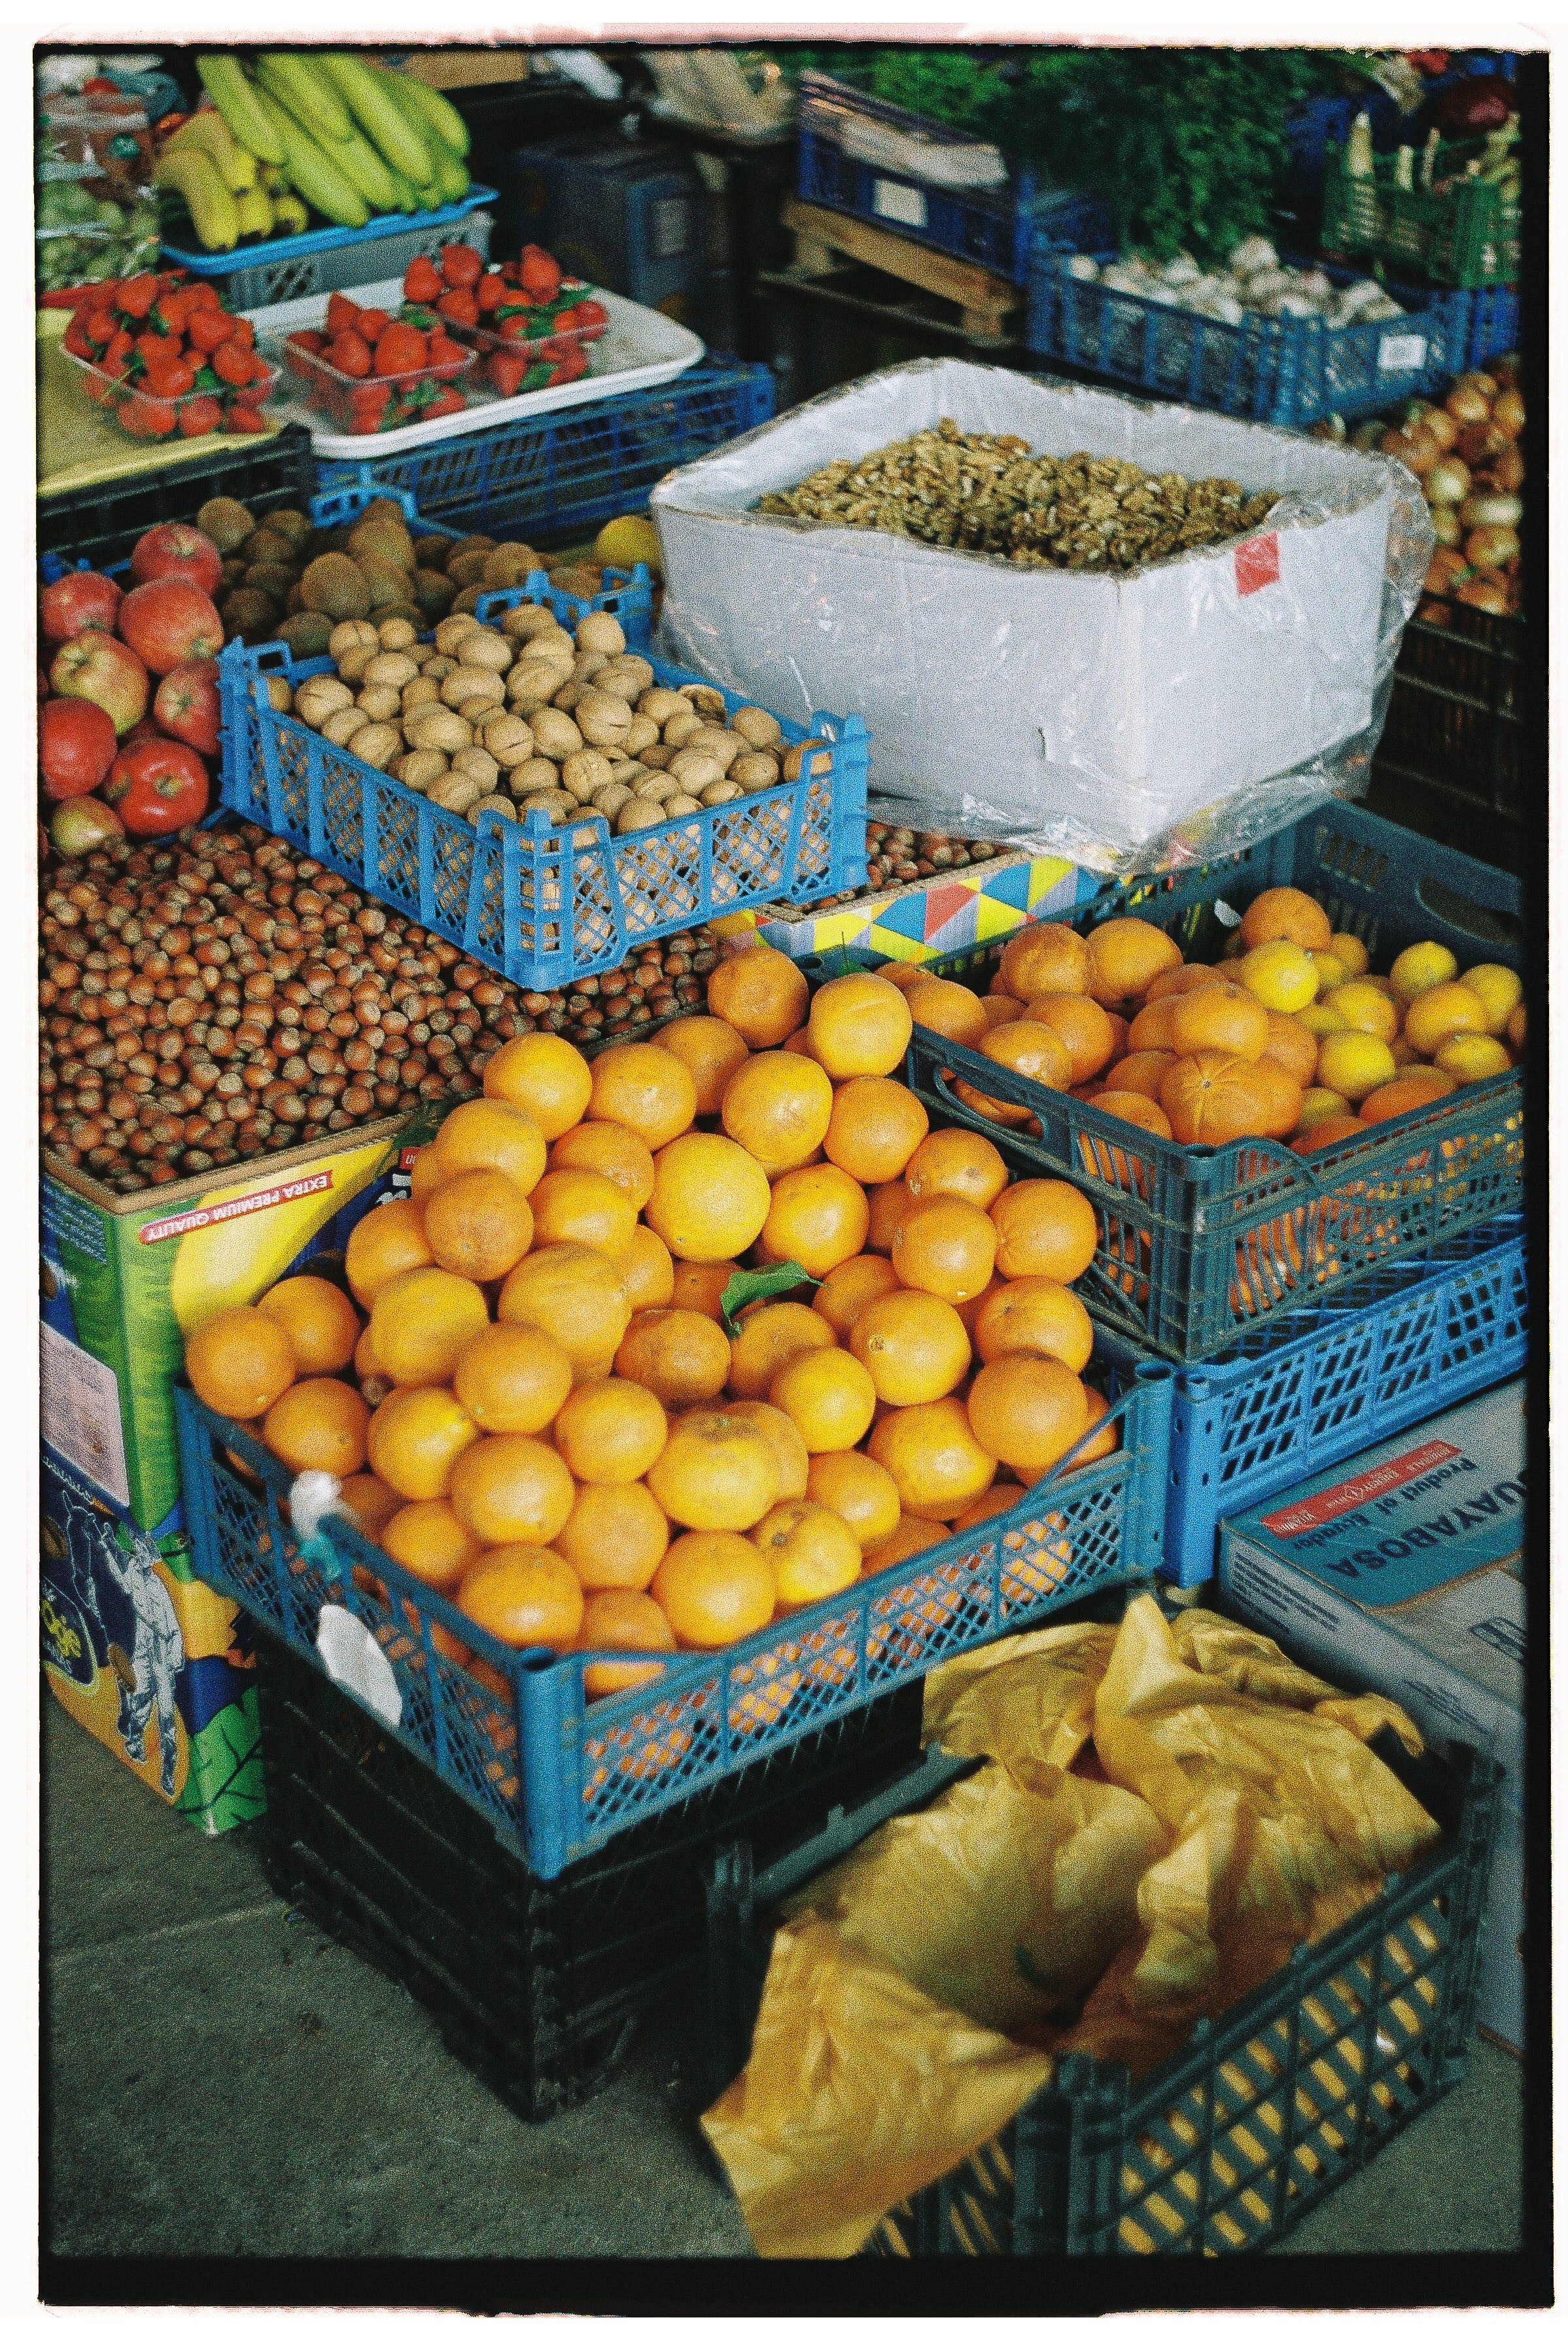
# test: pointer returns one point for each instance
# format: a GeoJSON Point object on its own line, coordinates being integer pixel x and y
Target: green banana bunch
{"type": "Point", "coordinates": [209, 134]}
{"type": "Point", "coordinates": [310, 172]}
{"type": "Point", "coordinates": [235, 100]}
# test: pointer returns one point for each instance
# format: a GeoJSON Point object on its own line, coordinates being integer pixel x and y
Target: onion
{"type": "Point", "coordinates": [1477, 380]}
{"type": "Point", "coordinates": [1448, 481]}
{"type": "Point", "coordinates": [1490, 511]}
{"type": "Point", "coordinates": [1507, 473]}
{"type": "Point", "coordinates": [1478, 445]}
{"type": "Point", "coordinates": [1489, 548]}
{"type": "Point", "coordinates": [1506, 370]}
{"type": "Point", "coordinates": [1467, 403]}
{"type": "Point", "coordinates": [1477, 594]}
{"type": "Point", "coordinates": [1440, 425]}
{"type": "Point", "coordinates": [1446, 525]}
{"type": "Point", "coordinates": [1508, 414]}
{"type": "Point", "coordinates": [1446, 570]}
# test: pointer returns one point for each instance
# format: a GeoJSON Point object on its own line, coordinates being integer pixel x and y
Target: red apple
{"type": "Point", "coordinates": [169, 622]}
{"type": "Point", "coordinates": [83, 824]}
{"type": "Point", "coordinates": [177, 549]}
{"type": "Point", "coordinates": [76, 746]}
{"type": "Point", "coordinates": [146, 729]}
{"type": "Point", "coordinates": [96, 666]}
{"type": "Point", "coordinates": [186, 707]}
{"type": "Point", "coordinates": [158, 787]}
{"type": "Point", "coordinates": [72, 603]}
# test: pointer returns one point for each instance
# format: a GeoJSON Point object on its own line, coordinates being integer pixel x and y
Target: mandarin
{"type": "Point", "coordinates": [485, 1133]}
{"type": "Point", "coordinates": [414, 1437]}
{"type": "Point", "coordinates": [1031, 1050]}
{"type": "Point", "coordinates": [701, 1285]}
{"type": "Point", "coordinates": [778, 1107]}
{"type": "Point", "coordinates": [945, 1246]}
{"type": "Point", "coordinates": [711, 1049]}
{"type": "Point", "coordinates": [1182, 979]}
{"type": "Point", "coordinates": [863, 1493]}
{"type": "Point", "coordinates": [622, 1620]}
{"type": "Point", "coordinates": [1000, 1008]}
{"type": "Point", "coordinates": [1153, 1028]}
{"type": "Point", "coordinates": [372, 1502]}
{"type": "Point", "coordinates": [421, 1323]}
{"type": "Point", "coordinates": [947, 1008]}
{"type": "Point", "coordinates": [523, 1594]}
{"type": "Point", "coordinates": [1044, 1227]}
{"type": "Point", "coordinates": [384, 1244]}
{"type": "Point", "coordinates": [1361, 1007]}
{"type": "Point", "coordinates": [1215, 1095]}
{"type": "Point", "coordinates": [715, 1588]}
{"type": "Point", "coordinates": [1292, 1047]}
{"type": "Point", "coordinates": [680, 1355]}
{"type": "Point", "coordinates": [424, 1178]}
{"type": "Point", "coordinates": [1028, 1410]}
{"type": "Point", "coordinates": [1001, 1498]}
{"type": "Point", "coordinates": [1355, 1064]}
{"type": "Point", "coordinates": [1095, 1450]}
{"type": "Point", "coordinates": [1125, 956]}
{"type": "Point", "coordinates": [576, 1296]}
{"type": "Point", "coordinates": [1129, 1105]}
{"type": "Point", "coordinates": [509, 1488]}
{"type": "Point", "coordinates": [614, 1537]}
{"type": "Point", "coordinates": [769, 1335]}
{"type": "Point", "coordinates": [1327, 1132]}
{"type": "Point", "coordinates": [1220, 1019]}
{"type": "Point", "coordinates": [933, 1455]}
{"type": "Point", "coordinates": [1081, 1025]}
{"type": "Point", "coordinates": [318, 1425]}
{"type": "Point", "coordinates": [810, 1549]}
{"type": "Point", "coordinates": [584, 1207]}
{"type": "Point", "coordinates": [648, 1271]}
{"type": "Point", "coordinates": [860, 1024]}
{"type": "Point", "coordinates": [784, 1438]}
{"type": "Point", "coordinates": [890, 1205]}
{"type": "Point", "coordinates": [478, 1224]}
{"type": "Point", "coordinates": [761, 992]}
{"type": "Point", "coordinates": [1045, 957]}
{"type": "Point", "coordinates": [1036, 1314]}
{"type": "Point", "coordinates": [643, 1088]}
{"type": "Point", "coordinates": [913, 1345]}
{"type": "Point", "coordinates": [609, 1433]}
{"type": "Point", "coordinates": [319, 1319]}
{"type": "Point", "coordinates": [710, 1196]}
{"type": "Point", "coordinates": [239, 1362]}
{"type": "Point", "coordinates": [956, 1162]}
{"type": "Point", "coordinates": [819, 1216]}
{"type": "Point", "coordinates": [828, 1395]}
{"type": "Point", "coordinates": [432, 1543]}
{"type": "Point", "coordinates": [1436, 1014]}
{"type": "Point", "coordinates": [1406, 1093]}
{"type": "Point", "coordinates": [875, 1128]}
{"type": "Point", "coordinates": [513, 1378]}
{"type": "Point", "coordinates": [717, 1472]}
{"type": "Point", "coordinates": [546, 1076]}
{"type": "Point", "coordinates": [845, 1290]}
{"type": "Point", "coordinates": [911, 1535]}
{"type": "Point", "coordinates": [615, 1152]}
{"type": "Point", "coordinates": [1283, 914]}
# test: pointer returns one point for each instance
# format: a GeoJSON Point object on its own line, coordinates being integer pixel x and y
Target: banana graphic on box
{"type": "Point", "coordinates": [233, 1259]}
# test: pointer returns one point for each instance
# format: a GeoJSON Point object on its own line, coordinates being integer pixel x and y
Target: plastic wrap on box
{"type": "Point", "coordinates": [1129, 722]}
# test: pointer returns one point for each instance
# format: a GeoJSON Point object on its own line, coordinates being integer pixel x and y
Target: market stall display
{"type": "Point", "coordinates": [97, 217]}
{"type": "Point", "coordinates": [167, 360]}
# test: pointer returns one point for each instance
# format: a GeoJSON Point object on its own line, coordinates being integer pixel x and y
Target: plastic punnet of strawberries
{"type": "Point", "coordinates": [167, 360]}
{"type": "Point", "coordinates": [531, 323]}
{"type": "Point", "coordinates": [370, 370]}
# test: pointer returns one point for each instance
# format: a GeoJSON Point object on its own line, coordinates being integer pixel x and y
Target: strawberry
{"type": "Point", "coordinates": [592, 317]}
{"type": "Point", "coordinates": [98, 326]}
{"type": "Point", "coordinates": [304, 340]}
{"type": "Point", "coordinates": [209, 329]}
{"type": "Point", "coordinates": [350, 352]}
{"type": "Point", "coordinates": [120, 348]}
{"type": "Point", "coordinates": [401, 350]}
{"type": "Point", "coordinates": [460, 308]}
{"type": "Point", "coordinates": [241, 330]}
{"type": "Point", "coordinates": [445, 402]}
{"type": "Point", "coordinates": [422, 280]}
{"type": "Point", "coordinates": [538, 273]}
{"type": "Point", "coordinates": [232, 362]}
{"type": "Point", "coordinates": [170, 310]}
{"type": "Point", "coordinates": [445, 351]}
{"type": "Point", "coordinates": [343, 314]}
{"type": "Point", "coordinates": [77, 341]}
{"type": "Point", "coordinates": [373, 324]}
{"type": "Point", "coordinates": [491, 290]}
{"type": "Point", "coordinates": [248, 419]}
{"type": "Point", "coordinates": [460, 266]}
{"type": "Point", "coordinates": [149, 346]}
{"type": "Point", "coordinates": [518, 325]}
{"type": "Point", "coordinates": [137, 295]}
{"type": "Point", "coordinates": [198, 417]}
{"type": "Point", "coordinates": [507, 368]}
{"type": "Point", "coordinates": [202, 296]}
{"type": "Point", "coordinates": [171, 380]}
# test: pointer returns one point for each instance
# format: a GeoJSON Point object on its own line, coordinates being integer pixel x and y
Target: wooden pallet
{"type": "Point", "coordinates": [982, 299]}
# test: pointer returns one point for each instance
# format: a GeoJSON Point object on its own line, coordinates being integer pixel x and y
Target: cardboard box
{"type": "Point", "coordinates": [1401, 1570]}
{"type": "Point", "coordinates": [955, 910]}
{"type": "Point", "coordinates": [145, 1657]}
{"type": "Point", "coordinates": [465, 68]}
{"type": "Point", "coordinates": [125, 1277]}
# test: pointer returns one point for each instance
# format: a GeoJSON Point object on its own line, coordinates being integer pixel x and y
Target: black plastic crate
{"type": "Point", "coordinates": [1451, 762]}
{"type": "Point", "coordinates": [537, 1985]}
{"type": "Point", "coordinates": [1229, 2143]}
{"type": "Point", "coordinates": [99, 524]}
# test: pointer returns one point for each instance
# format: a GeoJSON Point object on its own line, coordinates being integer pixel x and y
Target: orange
{"type": "Point", "coordinates": [432, 1543]}
{"type": "Point", "coordinates": [1219, 1017]}
{"type": "Point", "coordinates": [911, 1535]}
{"type": "Point", "coordinates": [999, 1499]}
{"type": "Point", "coordinates": [1473, 1057]}
{"type": "Point", "coordinates": [1082, 1026]}
{"type": "Point", "coordinates": [576, 1296]}
{"type": "Point", "coordinates": [421, 1323]}
{"type": "Point", "coordinates": [1292, 1047]}
{"type": "Point", "coordinates": [1028, 1411]}
{"type": "Point", "coordinates": [1044, 1227]}
{"type": "Point", "coordinates": [372, 1502]}
{"type": "Point", "coordinates": [1283, 914]}
{"type": "Point", "coordinates": [946, 1247]}
{"type": "Point", "coordinates": [1036, 1314]}
{"type": "Point", "coordinates": [769, 1335]}
{"type": "Point", "coordinates": [478, 1224]}
{"type": "Point", "coordinates": [711, 1197]}
{"type": "Point", "coordinates": [1420, 968]}
{"type": "Point", "coordinates": [789, 1447]}
{"type": "Point", "coordinates": [761, 992]}
{"type": "Point", "coordinates": [487, 1134]}
{"type": "Point", "coordinates": [700, 1285]}
{"type": "Point", "coordinates": [812, 1552]}
{"type": "Point", "coordinates": [937, 1463]}
{"type": "Point", "coordinates": [544, 1075]}
{"type": "Point", "coordinates": [1407, 1092]}
{"type": "Point", "coordinates": [709, 1049]}
{"type": "Point", "coordinates": [819, 1216]}
{"type": "Point", "coordinates": [875, 1127]}
{"type": "Point", "coordinates": [1327, 1132]}
{"type": "Point", "coordinates": [906, 973]}
{"type": "Point", "coordinates": [1281, 975]}
{"type": "Point", "coordinates": [643, 1088]}
{"type": "Point", "coordinates": [1031, 1050]}
{"type": "Point", "coordinates": [604, 1146]}
{"type": "Point", "coordinates": [715, 1588]}
{"type": "Point", "coordinates": [778, 1107]}
{"type": "Point", "coordinates": [423, 1179]}
{"type": "Point", "coordinates": [1110, 1438]}
{"type": "Point", "coordinates": [1154, 1027]}
{"type": "Point", "coordinates": [956, 1162]}
{"type": "Point", "coordinates": [414, 1438]}
{"type": "Point", "coordinates": [1350, 953]}
{"type": "Point", "coordinates": [523, 1595]}
{"type": "Point", "coordinates": [951, 1008]}
{"type": "Point", "coordinates": [890, 1205]}
{"type": "Point", "coordinates": [622, 1620]}
{"type": "Point", "coordinates": [319, 1319]}
{"type": "Point", "coordinates": [584, 1207]}
{"type": "Point", "coordinates": [1212, 1096]}
{"type": "Point", "coordinates": [1361, 1007]}
{"type": "Point", "coordinates": [385, 1243]}
{"type": "Point", "coordinates": [1355, 1064]}
{"type": "Point", "coordinates": [1279, 1097]}
{"type": "Point", "coordinates": [1437, 1014]}
{"type": "Point", "coordinates": [239, 1362]}
{"type": "Point", "coordinates": [1499, 991]}
{"type": "Point", "coordinates": [1045, 957]}
{"type": "Point", "coordinates": [860, 1024]}
{"type": "Point", "coordinates": [863, 1494]}
{"type": "Point", "coordinates": [913, 1345]}
{"type": "Point", "coordinates": [609, 1432]}
{"type": "Point", "coordinates": [511, 1489]}
{"type": "Point", "coordinates": [1127, 1105]}
{"type": "Point", "coordinates": [1320, 1105]}
{"type": "Point", "coordinates": [845, 1290]}
{"type": "Point", "coordinates": [614, 1537]}
{"type": "Point", "coordinates": [1001, 1008]}
{"type": "Point", "coordinates": [1125, 956]}
{"type": "Point", "coordinates": [828, 1395]}
{"type": "Point", "coordinates": [679, 1355]}
{"type": "Point", "coordinates": [318, 1426]}
{"type": "Point", "coordinates": [717, 1472]}
{"type": "Point", "coordinates": [648, 1271]}
{"type": "Point", "coordinates": [513, 1378]}
{"type": "Point", "coordinates": [1181, 978]}
{"type": "Point", "coordinates": [968, 1310]}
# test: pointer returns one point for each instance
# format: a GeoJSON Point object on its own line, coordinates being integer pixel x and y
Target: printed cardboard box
{"type": "Point", "coordinates": [957, 910]}
{"type": "Point", "coordinates": [145, 1656]}
{"type": "Point", "coordinates": [1401, 1570]}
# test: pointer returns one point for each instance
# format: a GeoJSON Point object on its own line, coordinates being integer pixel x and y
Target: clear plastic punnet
{"type": "Point", "coordinates": [1135, 720]}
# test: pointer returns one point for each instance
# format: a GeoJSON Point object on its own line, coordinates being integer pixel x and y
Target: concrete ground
{"type": "Point", "coordinates": [342, 2127]}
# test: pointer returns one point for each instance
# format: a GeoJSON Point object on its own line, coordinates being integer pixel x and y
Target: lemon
{"type": "Point", "coordinates": [1320, 1019]}
{"type": "Point", "coordinates": [1361, 1007]}
{"type": "Point", "coordinates": [1421, 968]}
{"type": "Point", "coordinates": [1321, 1105]}
{"type": "Point", "coordinates": [1282, 975]}
{"type": "Point", "coordinates": [1499, 991]}
{"type": "Point", "coordinates": [623, 543]}
{"type": "Point", "coordinates": [1473, 1057]}
{"type": "Point", "coordinates": [1438, 1013]}
{"type": "Point", "coordinates": [1355, 1064]}
{"type": "Point", "coordinates": [1350, 953]}
{"type": "Point", "coordinates": [1332, 972]}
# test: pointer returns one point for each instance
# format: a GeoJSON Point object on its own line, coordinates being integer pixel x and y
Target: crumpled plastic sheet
{"type": "Point", "coordinates": [1169, 1807]}
{"type": "Point", "coordinates": [1130, 723]}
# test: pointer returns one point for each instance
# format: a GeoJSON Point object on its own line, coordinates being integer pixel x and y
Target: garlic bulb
{"type": "Point", "coordinates": [1254, 254]}
{"type": "Point", "coordinates": [1085, 270]}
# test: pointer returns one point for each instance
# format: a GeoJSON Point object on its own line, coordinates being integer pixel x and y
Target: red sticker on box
{"type": "Point", "coordinates": [1335, 1502]}
{"type": "Point", "coordinates": [1256, 564]}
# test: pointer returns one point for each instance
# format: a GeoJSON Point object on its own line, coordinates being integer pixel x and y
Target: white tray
{"type": "Point", "coordinates": [638, 349]}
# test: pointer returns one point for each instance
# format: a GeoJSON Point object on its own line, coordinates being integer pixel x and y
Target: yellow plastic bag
{"type": "Point", "coordinates": [1169, 1810]}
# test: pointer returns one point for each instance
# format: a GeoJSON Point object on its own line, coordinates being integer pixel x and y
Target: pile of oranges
{"type": "Point", "coordinates": [1289, 1038]}
{"type": "Point", "coordinates": [533, 1402]}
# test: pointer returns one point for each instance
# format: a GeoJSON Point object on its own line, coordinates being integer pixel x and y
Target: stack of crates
{"type": "Point", "coordinates": [630, 217]}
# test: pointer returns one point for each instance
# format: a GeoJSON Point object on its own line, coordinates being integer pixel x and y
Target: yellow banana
{"type": "Point", "coordinates": [290, 216]}
{"type": "Point", "coordinates": [256, 210]}
{"type": "Point", "coordinates": [207, 131]}
{"type": "Point", "coordinates": [195, 179]}
{"type": "Point", "coordinates": [269, 176]}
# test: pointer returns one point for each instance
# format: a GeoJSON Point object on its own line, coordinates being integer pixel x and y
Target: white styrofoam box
{"type": "Point", "coordinates": [1067, 712]}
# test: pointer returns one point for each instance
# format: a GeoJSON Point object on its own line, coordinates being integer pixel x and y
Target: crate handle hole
{"type": "Point", "coordinates": [1498, 928]}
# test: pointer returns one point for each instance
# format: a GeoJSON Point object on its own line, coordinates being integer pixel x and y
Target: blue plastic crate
{"type": "Point", "coordinates": [574, 468]}
{"type": "Point", "coordinates": [1403, 1345]}
{"type": "Point", "coordinates": [542, 905]}
{"type": "Point", "coordinates": [325, 259]}
{"type": "Point", "coordinates": [1494, 324]}
{"type": "Point", "coordinates": [993, 228]}
{"type": "Point", "coordinates": [625, 213]}
{"type": "Point", "coordinates": [1319, 123]}
{"type": "Point", "coordinates": [559, 1776]}
{"type": "Point", "coordinates": [1288, 371]}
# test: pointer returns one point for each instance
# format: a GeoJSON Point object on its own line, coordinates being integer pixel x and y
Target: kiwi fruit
{"type": "Point", "coordinates": [226, 520]}
{"type": "Point", "coordinates": [474, 545]}
{"type": "Point", "coordinates": [267, 549]}
{"type": "Point", "coordinates": [510, 564]}
{"type": "Point", "coordinates": [307, 632]}
{"type": "Point", "coordinates": [470, 598]}
{"type": "Point", "coordinates": [254, 615]}
{"type": "Point", "coordinates": [433, 592]}
{"type": "Point", "coordinates": [294, 599]}
{"type": "Point", "coordinates": [415, 617]}
{"type": "Point", "coordinates": [272, 578]}
{"type": "Point", "coordinates": [291, 523]}
{"type": "Point", "coordinates": [431, 551]}
{"type": "Point", "coordinates": [333, 585]}
{"type": "Point", "coordinates": [467, 568]}
{"type": "Point", "coordinates": [383, 582]}
{"type": "Point", "coordinates": [231, 574]}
